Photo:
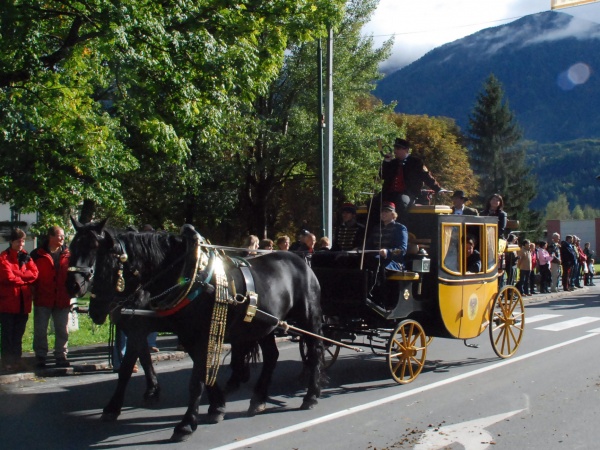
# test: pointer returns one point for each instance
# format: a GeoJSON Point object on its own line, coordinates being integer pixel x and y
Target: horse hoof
{"type": "Point", "coordinates": [178, 436]}
{"type": "Point", "coordinates": [308, 404]}
{"type": "Point", "coordinates": [256, 408]}
{"type": "Point", "coordinates": [214, 418]}
{"type": "Point", "coordinates": [109, 416]}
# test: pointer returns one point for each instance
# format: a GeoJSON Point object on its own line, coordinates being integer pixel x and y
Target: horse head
{"type": "Point", "coordinates": [91, 241]}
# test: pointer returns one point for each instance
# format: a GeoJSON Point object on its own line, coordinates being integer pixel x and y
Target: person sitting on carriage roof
{"type": "Point", "coordinates": [458, 205]}
{"type": "Point", "coordinates": [390, 238]}
{"type": "Point", "coordinates": [403, 177]}
{"type": "Point", "coordinates": [350, 233]}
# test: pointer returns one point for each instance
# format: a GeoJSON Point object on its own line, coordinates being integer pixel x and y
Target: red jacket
{"type": "Point", "coordinates": [15, 283]}
{"type": "Point", "coordinates": [51, 284]}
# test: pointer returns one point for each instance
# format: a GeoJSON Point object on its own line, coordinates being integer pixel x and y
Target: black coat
{"type": "Point", "coordinates": [415, 175]}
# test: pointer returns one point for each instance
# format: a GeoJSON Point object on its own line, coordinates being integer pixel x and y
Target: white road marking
{"type": "Point", "coordinates": [560, 326]}
{"type": "Point", "coordinates": [472, 435]}
{"type": "Point", "coordinates": [540, 317]}
{"type": "Point", "coordinates": [355, 409]}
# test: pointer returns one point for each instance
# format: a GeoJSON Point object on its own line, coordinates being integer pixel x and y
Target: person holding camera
{"type": "Point", "coordinates": [17, 274]}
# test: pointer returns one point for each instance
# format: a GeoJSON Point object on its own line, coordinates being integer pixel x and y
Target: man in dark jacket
{"type": "Point", "coordinates": [459, 207]}
{"type": "Point", "coordinates": [350, 233]}
{"type": "Point", "coordinates": [403, 177]}
{"type": "Point", "coordinates": [51, 298]}
{"type": "Point", "coordinates": [568, 258]}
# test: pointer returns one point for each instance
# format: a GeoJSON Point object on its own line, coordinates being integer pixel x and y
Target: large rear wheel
{"type": "Point", "coordinates": [407, 348]}
{"type": "Point", "coordinates": [507, 322]}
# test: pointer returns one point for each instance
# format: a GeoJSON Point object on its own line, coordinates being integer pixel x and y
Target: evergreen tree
{"type": "Point", "coordinates": [498, 155]}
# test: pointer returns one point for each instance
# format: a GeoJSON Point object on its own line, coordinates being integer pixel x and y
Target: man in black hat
{"type": "Point", "coordinates": [350, 233]}
{"type": "Point", "coordinates": [458, 205]}
{"type": "Point", "coordinates": [403, 177]}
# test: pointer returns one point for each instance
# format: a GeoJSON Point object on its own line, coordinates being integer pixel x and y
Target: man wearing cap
{"type": "Point", "coordinates": [404, 176]}
{"type": "Point", "coordinates": [350, 233]}
{"type": "Point", "coordinates": [458, 205]}
{"type": "Point", "coordinates": [391, 238]}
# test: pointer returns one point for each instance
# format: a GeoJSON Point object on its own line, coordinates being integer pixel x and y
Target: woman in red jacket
{"type": "Point", "coordinates": [17, 273]}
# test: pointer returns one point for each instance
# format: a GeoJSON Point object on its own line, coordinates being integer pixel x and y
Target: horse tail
{"type": "Point", "coordinates": [252, 354]}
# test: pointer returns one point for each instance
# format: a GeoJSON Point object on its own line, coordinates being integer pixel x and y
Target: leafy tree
{"type": "Point", "coordinates": [278, 161]}
{"type": "Point", "coordinates": [558, 209]}
{"type": "Point", "coordinates": [105, 86]}
{"type": "Point", "coordinates": [577, 213]}
{"type": "Point", "coordinates": [498, 154]}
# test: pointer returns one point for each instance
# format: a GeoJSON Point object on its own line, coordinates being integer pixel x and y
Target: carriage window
{"type": "Point", "coordinates": [451, 253]}
{"type": "Point", "coordinates": [492, 242]}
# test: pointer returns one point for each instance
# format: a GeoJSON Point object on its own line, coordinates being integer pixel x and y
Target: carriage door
{"type": "Point", "coordinates": [450, 276]}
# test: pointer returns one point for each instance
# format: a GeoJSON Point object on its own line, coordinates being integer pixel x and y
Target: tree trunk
{"type": "Point", "coordinates": [87, 211]}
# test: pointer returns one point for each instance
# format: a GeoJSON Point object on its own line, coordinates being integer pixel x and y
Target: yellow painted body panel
{"type": "Point", "coordinates": [465, 306]}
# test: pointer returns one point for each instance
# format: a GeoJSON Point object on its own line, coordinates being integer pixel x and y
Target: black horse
{"type": "Point", "coordinates": [141, 271]}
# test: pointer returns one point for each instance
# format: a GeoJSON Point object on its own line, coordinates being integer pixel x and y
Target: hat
{"type": "Point", "coordinates": [401, 143]}
{"type": "Point", "coordinates": [349, 207]}
{"type": "Point", "coordinates": [460, 194]}
{"type": "Point", "coordinates": [389, 206]}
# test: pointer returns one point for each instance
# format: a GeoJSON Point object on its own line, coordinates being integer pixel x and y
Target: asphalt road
{"type": "Point", "coordinates": [545, 397]}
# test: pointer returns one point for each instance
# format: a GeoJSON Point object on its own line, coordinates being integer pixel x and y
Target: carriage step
{"type": "Point", "coordinates": [378, 309]}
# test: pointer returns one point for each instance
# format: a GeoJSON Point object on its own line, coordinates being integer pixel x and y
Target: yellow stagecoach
{"type": "Point", "coordinates": [398, 313]}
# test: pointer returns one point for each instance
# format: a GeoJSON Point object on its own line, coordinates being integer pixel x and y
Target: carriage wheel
{"type": "Point", "coordinates": [330, 352]}
{"type": "Point", "coordinates": [406, 351]}
{"type": "Point", "coordinates": [507, 322]}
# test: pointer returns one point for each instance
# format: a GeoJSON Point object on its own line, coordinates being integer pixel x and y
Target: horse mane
{"type": "Point", "coordinates": [152, 262]}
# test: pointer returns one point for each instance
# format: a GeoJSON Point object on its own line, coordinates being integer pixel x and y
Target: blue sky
{"type": "Point", "coordinates": [421, 25]}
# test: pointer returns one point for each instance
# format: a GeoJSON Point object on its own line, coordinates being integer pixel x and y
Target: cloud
{"type": "Point", "coordinates": [422, 25]}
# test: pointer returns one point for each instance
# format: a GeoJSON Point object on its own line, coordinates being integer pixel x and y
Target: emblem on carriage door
{"type": "Point", "coordinates": [406, 294]}
{"type": "Point", "coordinates": [473, 304]}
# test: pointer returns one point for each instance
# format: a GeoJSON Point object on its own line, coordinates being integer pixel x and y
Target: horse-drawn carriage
{"type": "Point", "coordinates": [398, 313]}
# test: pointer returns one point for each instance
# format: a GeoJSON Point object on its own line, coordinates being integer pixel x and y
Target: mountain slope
{"type": "Point", "coordinates": [546, 62]}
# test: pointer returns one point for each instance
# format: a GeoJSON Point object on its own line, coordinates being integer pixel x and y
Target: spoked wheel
{"type": "Point", "coordinates": [407, 348]}
{"type": "Point", "coordinates": [330, 352]}
{"type": "Point", "coordinates": [507, 322]}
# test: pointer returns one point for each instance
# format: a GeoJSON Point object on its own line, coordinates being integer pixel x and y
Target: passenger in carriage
{"type": "Point", "coordinates": [473, 257]}
{"type": "Point", "coordinates": [458, 205]}
{"type": "Point", "coordinates": [283, 243]}
{"type": "Point", "coordinates": [350, 233]}
{"type": "Point", "coordinates": [391, 239]}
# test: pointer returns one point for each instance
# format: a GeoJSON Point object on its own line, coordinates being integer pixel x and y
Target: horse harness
{"type": "Point", "coordinates": [205, 265]}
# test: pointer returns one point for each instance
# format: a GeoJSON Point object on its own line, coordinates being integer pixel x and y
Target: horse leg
{"type": "Point", "coordinates": [152, 394]}
{"type": "Point", "coordinates": [313, 363]}
{"type": "Point", "coordinates": [216, 402]}
{"type": "Point", "coordinates": [240, 369]}
{"type": "Point", "coordinates": [113, 409]}
{"type": "Point", "coordinates": [184, 429]}
{"type": "Point", "coordinates": [261, 389]}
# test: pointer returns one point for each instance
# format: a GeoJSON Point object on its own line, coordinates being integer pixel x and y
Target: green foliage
{"type": "Point", "coordinates": [498, 155]}
{"type": "Point", "coordinates": [569, 169]}
{"type": "Point", "coordinates": [97, 95]}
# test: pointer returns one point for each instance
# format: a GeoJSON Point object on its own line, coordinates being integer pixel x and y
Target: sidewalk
{"type": "Point", "coordinates": [94, 358]}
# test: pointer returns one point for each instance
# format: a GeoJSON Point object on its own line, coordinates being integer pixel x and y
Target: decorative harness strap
{"type": "Point", "coordinates": [218, 323]}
